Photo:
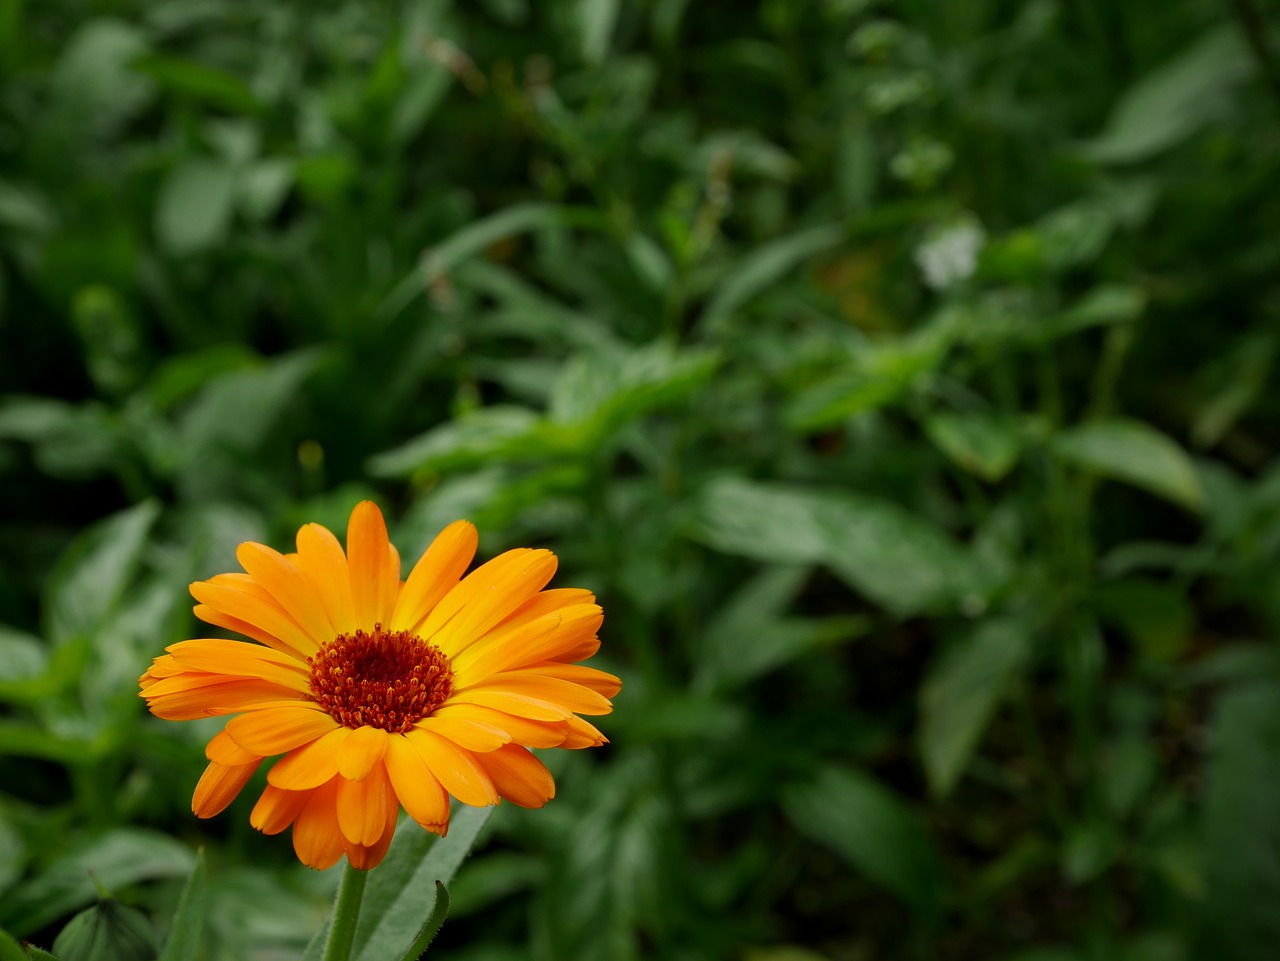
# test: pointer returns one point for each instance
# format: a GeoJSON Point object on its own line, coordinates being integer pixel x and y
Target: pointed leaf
{"type": "Point", "coordinates": [1134, 452]}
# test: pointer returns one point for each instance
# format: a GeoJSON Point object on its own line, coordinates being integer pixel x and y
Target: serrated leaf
{"type": "Point", "coordinates": [118, 858]}
{"type": "Point", "coordinates": [961, 693]}
{"type": "Point", "coordinates": [93, 573]}
{"type": "Point", "coordinates": [11, 950]}
{"type": "Point", "coordinates": [894, 557]}
{"type": "Point", "coordinates": [874, 830]}
{"type": "Point", "coordinates": [1134, 452]}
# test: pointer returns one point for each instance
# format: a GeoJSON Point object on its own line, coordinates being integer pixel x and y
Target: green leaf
{"type": "Point", "coordinates": [187, 933]}
{"type": "Point", "coordinates": [483, 436]}
{"type": "Point", "coordinates": [39, 954]}
{"type": "Point", "coordinates": [432, 926]}
{"type": "Point", "coordinates": [981, 444]}
{"type": "Point", "coordinates": [107, 931]}
{"type": "Point", "coordinates": [118, 858]}
{"type": "Point", "coordinates": [894, 557]}
{"type": "Point", "coordinates": [762, 268]}
{"type": "Point", "coordinates": [397, 902]}
{"type": "Point", "coordinates": [750, 636]}
{"type": "Point", "coordinates": [477, 237]}
{"type": "Point", "coordinates": [1157, 616]}
{"type": "Point", "coordinates": [200, 82]}
{"type": "Point", "coordinates": [597, 20]}
{"type": "Point", "coordinates": [92, 575]}
{"type": "Point", "coordinates": [22, 658]}
{"type": "Point", "coordinates": [1174, 102]}
{"type": "Point", "coordinates": [13, 855]}
{"type": "Point", "coordinates": [1239, 921]}
{"type": "Point", "coordinates": [874, 830]}
{"type": "Point", "coordinates": [395, 908]}
{"type": "Point", "coordinates": [11, 950]}
{"type": "Point", "coordinates": [194, 207]}
{"type": "Point", "coordinates": [1134, 452]}
{"type": "Point", "coordinates": [961, 693]}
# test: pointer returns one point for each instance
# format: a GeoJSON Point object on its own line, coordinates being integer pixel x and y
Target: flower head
{"type": "Point", "coordinates": [381, 693]}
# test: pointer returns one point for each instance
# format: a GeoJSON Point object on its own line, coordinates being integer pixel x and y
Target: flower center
{"type": "Point", "coordinates": [386, 679]}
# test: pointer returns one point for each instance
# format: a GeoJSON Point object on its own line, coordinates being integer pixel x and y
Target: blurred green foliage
{"type": "Point", "coordinates": [899, 374]}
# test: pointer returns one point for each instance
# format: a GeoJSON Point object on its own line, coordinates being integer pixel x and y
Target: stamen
{"type": "Point", "coordinates": [385, 679]}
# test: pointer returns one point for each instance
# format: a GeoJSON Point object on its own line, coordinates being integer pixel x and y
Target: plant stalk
{"type": "Point", "coordinates": [346, 912]}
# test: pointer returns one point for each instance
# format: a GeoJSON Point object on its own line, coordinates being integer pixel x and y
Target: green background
{"type": "Point", "coordinates": [899, 375]}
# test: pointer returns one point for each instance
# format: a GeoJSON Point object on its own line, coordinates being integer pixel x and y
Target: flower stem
{"type": "Point", "coordinates": [346, 911]}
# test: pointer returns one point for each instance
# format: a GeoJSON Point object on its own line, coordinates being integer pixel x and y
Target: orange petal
{"type": "Point", "coordinates": [240, 659]}
{"type": "Point", "coordinates": [277, 809]}
{"type": "Point", "coordinates": [186, 697]}
{"type": "Point", "coordinates": [276, 730]}
{"type": "Point", "coordinates": [316, 837]}
{"type": "Point", "coordinates": [583, 734]}
{"type": "Point", "coordinates": [311, 765]}
{"type": "Point", "coordinates": [585, 648]}
{"type": "Point", "coordinates": [226, 751]}
{"type": "Point", "coordinates": [367, 557]}
{"type": "Point", "coordinates": [521, 705]}
{"type": "Point", "coordinates": [323, 563]}
{"type": "Point", "coordinates": [454, 767]}
{"type": "Point", "coordinates": [218, 787]}
{"type": "Point", "coordinates": [520, 730]}
{"type": "Point", "coordinates": [574, 697]}
{"type": "Point", "coordinates": [211, 616]}
{"type": "Point", "coordinates": [271, 620]}
{"type": "Point", "coordinates": [436, 573]}
{"type": "Point", "coordinates": [602, 682]}
{"type": "Point", "coordinates": [486, 596]}
{"type": "Point", "coordinates": [468, 732]}
{"type": "Point", "coordinates": [362, 806]}
{"type": "Point", "coordinates": [541, 640]}
{"type": "Point", "coordinates": [361, 752]}
{"type": "Point", "coordinates": [419, 790]}
{"type": "Point", "coordinates": [289, 587]}
{"type": "Point", "coordinates": [545, 602]}
{"type": "Point", "coordinates": [519, 776]}
{"type": "Point", "coordinates": [367, 856]}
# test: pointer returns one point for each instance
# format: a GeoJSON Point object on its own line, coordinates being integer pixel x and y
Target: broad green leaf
{"type": "Point", "coordinates": [961, 693]}
{"type": "Point", "coordinates": [399, 900]}
{"type": "Point", "coordinates": [762, 268]}
{"type": "Point", "coordinates": [751, 636]}
{"type": "Point", "coordinates": [120, 857]}
{"type": "Point", "coordinates": [1238, 920]}
{"type": "Point", "coordinates": [11, 950]}
{"type": "Point", "coordinates": [194, 207]}
{"type": "Point", "coordinates": [1174, 102]}
{"type": "Point", "coordinates": [896, 558]}
{"type": "Point", "coordinates": [431, 927]}
{"type": "Point", "coordinates": [94, 86]}
{"type": "Point", "coordinates": [874, 830]}
{"type": "Point", "coordinates": [982, 444]}
{"type": "Point", "coordinates": [878, 375]}
{"type": "Point", "coordinates": [483, 436]}
{"type": "Point", "coordinates": [107, 931]}
{"type": "Point", "coordinates": [187, 933]}
{"type": "Point", "coordinates": [596, 22]}
{"type": "Point", "coordinates": [22, 657]}
{"type": "Point", "coordinates": [476, 237]}
{"type": "Point", "coordinates": [1157, 616]}
{"type": "Point", "coordinates": [93, 573]}
{"type": "Point", "coordinates": [200, 82]}
{"type": "Point", "coordinates": [232, 418]}
{"type": "Point", "coordinates": [1134, 452]}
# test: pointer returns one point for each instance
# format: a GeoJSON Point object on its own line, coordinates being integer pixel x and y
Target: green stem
{"type": "Point", "coordinates": [346, 912]}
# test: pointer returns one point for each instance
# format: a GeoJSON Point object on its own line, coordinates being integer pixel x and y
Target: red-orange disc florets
{"type": "Point", "coordinates": [386, 679]}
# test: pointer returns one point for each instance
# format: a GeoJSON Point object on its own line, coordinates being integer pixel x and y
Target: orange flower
{"type": "Point", "coordinates": [382, 693]}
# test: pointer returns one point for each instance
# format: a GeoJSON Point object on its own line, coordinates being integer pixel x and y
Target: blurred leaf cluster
{"type": "Point", "coordinates": [899, 374]}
